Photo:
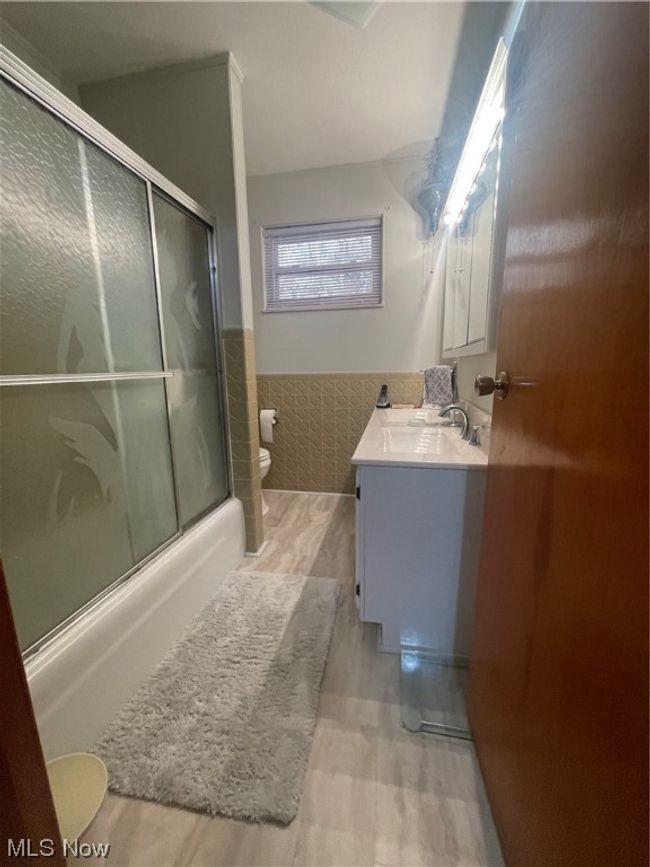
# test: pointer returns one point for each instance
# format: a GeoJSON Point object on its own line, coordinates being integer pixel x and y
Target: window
{"type": "Point", "coordinates": [323, 265]}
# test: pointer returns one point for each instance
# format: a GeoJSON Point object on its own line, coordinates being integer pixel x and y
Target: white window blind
{"type": "Point", "coordinates": [323, 265]}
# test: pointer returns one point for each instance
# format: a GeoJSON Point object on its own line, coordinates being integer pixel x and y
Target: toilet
{"type": "Point", "coordinates": [265, 466]}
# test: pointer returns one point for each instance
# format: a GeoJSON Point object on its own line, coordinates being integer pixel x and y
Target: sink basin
{"type": "Point", "coordinates": [426, 440]}
{"type": "Point", "coordinates": [413, 418]}
{"type": "Point", "coordinates": [396, 437]}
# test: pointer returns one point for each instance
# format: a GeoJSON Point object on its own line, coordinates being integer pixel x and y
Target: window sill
{"type": "Point", "coordinates": [322, 308]}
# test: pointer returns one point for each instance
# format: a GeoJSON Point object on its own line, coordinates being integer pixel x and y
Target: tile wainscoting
{"type": "Point", "coordinates": [239, 352]}
{"type": "Point", "coordinates": [321, 419]}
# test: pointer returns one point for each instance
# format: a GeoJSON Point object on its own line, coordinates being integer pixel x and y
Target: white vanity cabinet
{"type": "Point", "coordinates": [418, 531]}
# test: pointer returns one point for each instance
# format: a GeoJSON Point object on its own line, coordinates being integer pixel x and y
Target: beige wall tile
{"type": "Point", "coordinates": [322, 419]}
{"type": "Point", "coordinates": [243, 450]}
{"type": "Point", "coordinates": [248, 488]}
{"type": "Point", "coordinates": [242, 388]}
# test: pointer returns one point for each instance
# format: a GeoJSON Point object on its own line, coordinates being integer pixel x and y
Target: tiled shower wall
{"type": "Point", "coordinates": [239, 352]}
{"type": "Point", "coordinates": [321, 419]}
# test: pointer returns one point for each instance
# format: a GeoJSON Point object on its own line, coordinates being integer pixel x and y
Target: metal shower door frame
{"type": "Point", "coordinates": [18, 74]}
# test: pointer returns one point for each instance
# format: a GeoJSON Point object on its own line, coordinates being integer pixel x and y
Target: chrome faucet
{"type": "Point", "coordinates": [451, 409]}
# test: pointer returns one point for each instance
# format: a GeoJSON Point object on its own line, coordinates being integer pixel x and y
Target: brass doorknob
{"type": "Point", "coordinates": [487, 385]}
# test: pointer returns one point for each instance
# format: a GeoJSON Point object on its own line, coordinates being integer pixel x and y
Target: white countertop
{"type": "Point", "coordinates": [389, 440]}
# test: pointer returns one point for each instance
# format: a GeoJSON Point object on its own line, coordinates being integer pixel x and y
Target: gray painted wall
{"type": "Point", "coordinates": [400, 336]}
{"type": "Point", "coordinates": [186, 121]}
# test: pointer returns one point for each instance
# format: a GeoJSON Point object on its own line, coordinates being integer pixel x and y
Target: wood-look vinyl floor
{"type": "Point", "coordinates": [374, 794]}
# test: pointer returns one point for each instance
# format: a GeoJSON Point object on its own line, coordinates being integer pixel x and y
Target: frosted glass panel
{"type": "Point", "coordinates": [78, 291]}
{"type": "Point", "coordinates": [146, 458]}
{"type": "Point", "coordinates": [87, 492]}
{"type": "Point", "coordinates": [196, 417]}
{"type": "Point", "coordinates": [88, 486]}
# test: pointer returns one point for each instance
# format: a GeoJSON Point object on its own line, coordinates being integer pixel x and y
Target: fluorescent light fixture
{"type": "Point", "coordinates": [357, 14]}
{"type": "Point", "coordinates": [489, 114]}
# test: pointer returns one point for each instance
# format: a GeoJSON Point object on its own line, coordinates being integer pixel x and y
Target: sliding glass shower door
{"type": "Point", "coordinates": [196, 421]}
{"type": "Point", "coordinates": [90, 486]}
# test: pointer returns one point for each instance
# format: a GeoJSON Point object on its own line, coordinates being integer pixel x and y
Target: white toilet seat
{"type": "Point", "coordinates": [265, 456]}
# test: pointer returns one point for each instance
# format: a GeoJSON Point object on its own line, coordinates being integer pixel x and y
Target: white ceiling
{"type": "Point", "coordinates": [317, 92]}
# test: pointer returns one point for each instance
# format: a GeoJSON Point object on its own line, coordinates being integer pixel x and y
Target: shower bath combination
{"type": "Point", "coordinates": [114, 442]}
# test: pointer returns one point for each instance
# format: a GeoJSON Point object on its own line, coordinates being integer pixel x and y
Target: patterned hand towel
{"type": "Point", "coordinates": [438, 389]}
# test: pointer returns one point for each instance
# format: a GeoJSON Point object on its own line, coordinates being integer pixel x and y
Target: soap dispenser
{"type": "Point", "coordinates": [382, 400]}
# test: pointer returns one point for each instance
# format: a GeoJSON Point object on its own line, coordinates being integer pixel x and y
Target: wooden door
{"type": "Point", "coordinates": [559, 680]}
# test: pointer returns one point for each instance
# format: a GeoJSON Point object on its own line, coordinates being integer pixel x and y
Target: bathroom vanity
{"type": "Point", "coordinates": [418, 530]}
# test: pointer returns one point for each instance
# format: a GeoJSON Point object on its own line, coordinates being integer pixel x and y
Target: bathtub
{"type": "Point", "coordinates": [80, 679]}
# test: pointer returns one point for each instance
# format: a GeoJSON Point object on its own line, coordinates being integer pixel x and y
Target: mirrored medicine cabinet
{"type": "Point", "coordinates": [471, 227]}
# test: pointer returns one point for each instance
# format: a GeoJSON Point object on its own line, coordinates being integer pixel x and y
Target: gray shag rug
{"type": "Point", "coordinates": [225, 723]}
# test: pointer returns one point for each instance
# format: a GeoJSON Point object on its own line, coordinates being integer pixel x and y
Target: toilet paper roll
{"type": "Point", "coordinates": [267, 420]}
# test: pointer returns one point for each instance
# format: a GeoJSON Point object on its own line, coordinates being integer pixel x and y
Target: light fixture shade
{"type": "Point", "coordinates": [489, 114]}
